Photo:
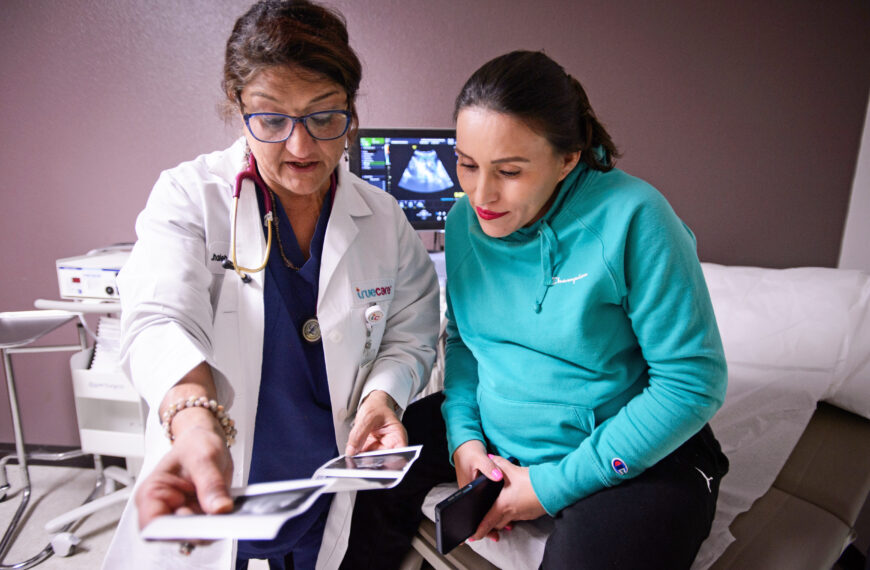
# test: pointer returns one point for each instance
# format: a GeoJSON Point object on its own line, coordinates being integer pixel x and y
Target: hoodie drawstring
{"type": "Point", "coordinates": [548, 250]}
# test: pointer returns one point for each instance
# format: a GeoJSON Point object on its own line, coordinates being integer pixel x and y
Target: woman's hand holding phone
{"type": "Point", "coordinates": [516, 502]}
{"type": "Point", "coordinates": [471, 460]}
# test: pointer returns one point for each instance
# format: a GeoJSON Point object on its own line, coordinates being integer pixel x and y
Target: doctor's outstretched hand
{"type": "Point", "coordinates": [194, 476]}
{"type": "Point", "coordinates": [376, 425]}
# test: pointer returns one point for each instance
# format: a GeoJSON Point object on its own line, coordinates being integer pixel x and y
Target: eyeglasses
{"type": "Point", "coordinates": [277, 127]}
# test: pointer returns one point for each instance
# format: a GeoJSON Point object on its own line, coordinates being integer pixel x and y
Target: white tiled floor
{"type": "Point", "coordinates": [55, 491]}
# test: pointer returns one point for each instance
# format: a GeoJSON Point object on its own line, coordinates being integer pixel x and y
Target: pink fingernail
{"type": "Point", "coordinates": [490, 455]}
{"type": "Point", "coordinates": [508, 527]}
{"type": "Point", "coordinates": [496, 474]}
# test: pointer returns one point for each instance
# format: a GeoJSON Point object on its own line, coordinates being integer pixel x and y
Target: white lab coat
{"type": "Point", "coordinates": [181, 307]}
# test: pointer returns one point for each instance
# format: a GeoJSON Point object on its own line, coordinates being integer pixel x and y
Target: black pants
{"type": "Point", "coordinates": [656, 520]}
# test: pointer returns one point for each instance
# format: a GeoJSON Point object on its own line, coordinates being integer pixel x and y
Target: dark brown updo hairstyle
{"type": "Point", "coordinates": [291, 33]}
{"type": "Point", "coordinates": [535, 89]}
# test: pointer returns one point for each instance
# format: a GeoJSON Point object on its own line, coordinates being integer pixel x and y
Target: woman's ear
{"type": "Point", "coordinates": [569, 161]}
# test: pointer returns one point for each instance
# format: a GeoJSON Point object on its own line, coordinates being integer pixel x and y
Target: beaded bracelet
{"type": "Point", "coordinates": [228, 425]}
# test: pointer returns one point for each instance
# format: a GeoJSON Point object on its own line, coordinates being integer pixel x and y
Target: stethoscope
{"type": "Point", "coordinates": [250, 175]}
{"type": "Point", "coordinates": [311, 328]}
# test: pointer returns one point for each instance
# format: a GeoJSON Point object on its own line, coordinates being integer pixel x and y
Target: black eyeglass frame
{"type": "Point", "coordinates": [304, 120]}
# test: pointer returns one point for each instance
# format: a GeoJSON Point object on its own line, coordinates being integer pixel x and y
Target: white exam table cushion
{"type": "Point", "coordinates": [791, 339]}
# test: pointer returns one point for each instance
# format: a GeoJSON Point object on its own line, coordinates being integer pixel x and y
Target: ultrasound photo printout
{"type": "Point", "coordinates": [381, 464]}
{"type": "Point", "coordinates": [260, 510]}
{"type": "Point", "coordinates": [258, 513]}
{"type": "Point", "coordinates": [380, 469]}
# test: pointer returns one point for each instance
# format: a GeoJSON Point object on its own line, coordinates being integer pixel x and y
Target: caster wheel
{"type": "Point", "coordinates": [64, 543]}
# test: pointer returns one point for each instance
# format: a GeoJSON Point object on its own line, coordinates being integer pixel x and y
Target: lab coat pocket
{"type": "Point", "coordinates": [225, 338]}
{"type": "Point", "coordinates": [534, 432]}
{"type": "Point", "coordinates": [227, 298]}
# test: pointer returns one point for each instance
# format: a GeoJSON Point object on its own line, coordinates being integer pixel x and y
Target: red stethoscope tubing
{"type": "Point", "coordinates": [250, 173]}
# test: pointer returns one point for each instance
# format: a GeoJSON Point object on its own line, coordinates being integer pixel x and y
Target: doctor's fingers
{"type": "Point", "coordinates": [205, 460]}
{"type": "Point", "coordinates": [383, 437]}
{"type": "Point", "coordinates": [376, 428]}
{"type": "Point", "coordinates": [380, 441]}
{"type": "Point", "coordinates": [161, 493]}
{"type": "Point", "coordinates": [212, 488]}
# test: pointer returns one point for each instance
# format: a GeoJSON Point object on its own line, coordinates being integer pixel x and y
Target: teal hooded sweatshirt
{"type": "Point", "coordinates": [584, 345]}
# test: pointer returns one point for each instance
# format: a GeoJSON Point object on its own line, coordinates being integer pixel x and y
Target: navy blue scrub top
{"type": "Point", "coordinates": [294, 434]}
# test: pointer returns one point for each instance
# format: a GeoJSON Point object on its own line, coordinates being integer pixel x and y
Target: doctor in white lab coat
{"type": "Point", "coordinates": [193, 327]}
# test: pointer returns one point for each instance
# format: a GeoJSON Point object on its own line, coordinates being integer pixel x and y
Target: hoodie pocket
{"type": "Point", "coordinates": [534, 432]}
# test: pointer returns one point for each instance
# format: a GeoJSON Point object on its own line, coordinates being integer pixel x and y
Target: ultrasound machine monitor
{"type": "Point", "coordinates": [416, 166]}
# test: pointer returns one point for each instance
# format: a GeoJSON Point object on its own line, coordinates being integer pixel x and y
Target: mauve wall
{"type": "Point", "coordinates": [746, 115]}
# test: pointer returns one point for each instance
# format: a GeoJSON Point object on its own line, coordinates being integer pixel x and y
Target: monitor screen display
{"type": "Point", "coordinates": [416, 166]}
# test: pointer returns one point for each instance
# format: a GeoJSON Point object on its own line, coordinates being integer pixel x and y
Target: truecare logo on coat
{"type": "Point", "coordinates": [373, 291]}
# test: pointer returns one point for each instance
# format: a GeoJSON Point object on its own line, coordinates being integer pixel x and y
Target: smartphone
{"type": "Point", "coordinates": [457, 516]}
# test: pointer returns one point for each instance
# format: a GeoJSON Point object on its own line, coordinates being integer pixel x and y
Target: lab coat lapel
{"type": "Point", "coordinates": [342, 259]}
{"type": "Point", "coordinates": [341, 231]}
{"type": "Point", "coordinates": [250, 249]}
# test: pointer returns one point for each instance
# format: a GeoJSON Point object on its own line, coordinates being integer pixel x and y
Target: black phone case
{"type": "Point", "coordinates": [457, 516]}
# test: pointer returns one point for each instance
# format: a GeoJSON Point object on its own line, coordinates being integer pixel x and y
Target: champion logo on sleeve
{"type": "Point", "coordinates": [619, 466]}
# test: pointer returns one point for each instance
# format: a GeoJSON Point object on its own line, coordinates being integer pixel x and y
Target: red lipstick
{"type": "Point", "coordinates": [488, 215]}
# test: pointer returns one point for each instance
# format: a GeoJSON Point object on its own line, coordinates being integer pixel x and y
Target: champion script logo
{"type": "Point", "coordinates": [572, 280]}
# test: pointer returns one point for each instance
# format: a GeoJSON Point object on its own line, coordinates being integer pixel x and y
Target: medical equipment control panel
{"type": "Point", "coordinates": [92, 276]}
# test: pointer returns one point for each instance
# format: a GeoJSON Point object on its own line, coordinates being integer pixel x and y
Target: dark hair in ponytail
{"type": "Point", "coordinates": [537, 90]}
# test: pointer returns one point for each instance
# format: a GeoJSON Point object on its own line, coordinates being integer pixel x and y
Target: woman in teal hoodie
{"type": "Point", "coordinates": [581, 338]}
